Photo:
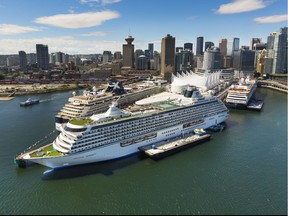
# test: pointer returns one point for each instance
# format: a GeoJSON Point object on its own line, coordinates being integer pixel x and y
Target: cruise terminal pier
{"type": "Point", "coordinates": [161, 150]}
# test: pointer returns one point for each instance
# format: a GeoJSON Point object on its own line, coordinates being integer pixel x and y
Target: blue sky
{"type": "Point", "coordinates": [92, 26]}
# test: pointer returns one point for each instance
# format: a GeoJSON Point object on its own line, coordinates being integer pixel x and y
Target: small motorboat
{"type": "Point", "coordinates": [200, 131]}
{"type": "Point", "coordinates": [29, 102]}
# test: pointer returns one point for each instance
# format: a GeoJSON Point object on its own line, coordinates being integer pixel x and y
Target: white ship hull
{"type": "Point", "coordinates": [238, 99]}
{"type": "Point", "coordinates": [114, 150]}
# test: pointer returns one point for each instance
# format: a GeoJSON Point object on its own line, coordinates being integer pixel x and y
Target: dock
{"type": "Point", "coordinates": [255, 105]}
{"type": "Point", "coordinates": [161, 150]}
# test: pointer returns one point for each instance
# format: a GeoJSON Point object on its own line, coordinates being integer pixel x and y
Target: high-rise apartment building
{"type": "Point", "coordinates": [188, 46]}
{"type": "Point", "coordinates": [254, 41]}
{"type": "Point", "coordinates": [232, 46]}
{"type": "Point", "coordinates": [142, 62]}
{"type": "Point", "coordinates": [167, 57]}
{"type": "Point", "coordinates": [31, 58]}
{"type": "Point", "coordinates": [277, 48]}
{"type": "Point", "coordinates": [183, 61]}
{"type": "Point", "coordinates": [151, 50]}
{"type": "Point", "coordinates": [179, 49]}
{"type": "Point", "coordinates": [107, 56]}
{"type": "Point", "coordinates": [223, 50]}
{"type": "Point", "coordinates": [260, 60]}
{"type": "Point", "coordinates": [128, 53]}
{"type": "Point", "coordinates": [208, 44]}
{"type": "Point", "coordinates": [42, 56]}
{"type": "Point", "coordinates": [212, 59]}
{"type": "Point", "coordinates": [199, 46]}
{"type": "Point", "coordinates": [117, 55]}
{"type": "Point", "coordinates": [59, 58]}
{"type": "Point", "coordinates": [243, 60]}
{"type": "Point", "coordinates": [22, 60]}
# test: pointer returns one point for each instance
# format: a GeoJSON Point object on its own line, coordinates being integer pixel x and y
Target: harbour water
{"type": "Point", "coordinates": [241, 170]}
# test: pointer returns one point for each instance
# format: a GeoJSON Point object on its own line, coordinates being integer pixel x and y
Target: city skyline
{"type": "Point", "coordinates": [93, 26]}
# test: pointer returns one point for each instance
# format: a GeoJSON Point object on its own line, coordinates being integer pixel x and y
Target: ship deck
{"type": "Point", "coordinates": [45, 151]}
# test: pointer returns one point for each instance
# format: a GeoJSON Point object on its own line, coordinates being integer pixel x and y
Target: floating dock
{"type": "Point", "coordinates": [255, 105]}
{"type": "Point", "coordinates": [161, 150]}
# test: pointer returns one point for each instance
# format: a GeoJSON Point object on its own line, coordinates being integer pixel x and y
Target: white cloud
{"type": "Point", "coordinates": [272, 19]}
{"type": "Point", "coordinates": [70, 45]}
{"type": "Point", "coordinates": [66, 44]}
{"type": "Point", "coordinates": [103, 2]}
{"type": "Point", "coordinates": [239, 6]}
{"type": "Point", "coordinates": [81, 20]}
{"type": "Point", "coordinates": [95, 34]}
{"type": "Point", "coordinates": [9, 29]}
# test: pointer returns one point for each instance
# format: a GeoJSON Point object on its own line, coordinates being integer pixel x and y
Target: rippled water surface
{"type": "Point", "coordinates": [242, 170]}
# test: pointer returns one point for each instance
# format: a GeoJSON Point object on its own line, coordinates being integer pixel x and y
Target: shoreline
{"type": "Point", "coordinates": [10, 91]}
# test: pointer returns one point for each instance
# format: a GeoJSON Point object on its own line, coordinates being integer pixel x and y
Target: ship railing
{"type": "Point", "coordinates": [41, 143]}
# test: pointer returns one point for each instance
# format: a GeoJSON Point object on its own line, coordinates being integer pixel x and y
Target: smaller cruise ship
{"type": "Point", "coordinates": [240, 94]}
{"type": "Point", "coordinates": [96, 101]}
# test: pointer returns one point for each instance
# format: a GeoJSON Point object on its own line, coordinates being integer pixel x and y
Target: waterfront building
{"type": "Point", "coordinates": [167, 57]}
{"type": "Point", "coordinates": [22, 60]}
{"type": "Point", "coordinates": [243, 60]}
{"type": "Point", "coordinates": [128, 53]}
{"type": "Point", "coordinates": [42, 56]}
{"type": "Point", "coordinates": [212, 59]}
{"type": "Point", "coordinates": [277, 47]}
{"type": "Point", "coordinates": [199, 46]}
{"type": "Point", "coordinates": [260, 57]}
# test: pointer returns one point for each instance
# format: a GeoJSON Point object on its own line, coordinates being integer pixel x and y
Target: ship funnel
{"type": "Point", "coordinates": [188, 92]}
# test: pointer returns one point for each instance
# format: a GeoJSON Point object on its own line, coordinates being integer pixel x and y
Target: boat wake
{"type": "Point", "coordinates": [45, 100]}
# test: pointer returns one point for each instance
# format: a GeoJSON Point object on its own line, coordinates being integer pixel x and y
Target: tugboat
{"type": "Point", "coordinates": [29, 102]}
{"type": "Point", "coordinates": [217, 127]}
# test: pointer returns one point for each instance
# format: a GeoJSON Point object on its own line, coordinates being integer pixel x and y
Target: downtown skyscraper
{"type": "Point", "coordinates": [167, 57]}
{"type": "Point", "coordinates": [42, 56]}
{"type": "Point", "coordinates": [277, 47]}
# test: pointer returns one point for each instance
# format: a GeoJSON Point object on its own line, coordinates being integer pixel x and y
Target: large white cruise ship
{"type": "Point", "coordinates": [119, 133]}
{"type": "Point", "coordinates": [239, 95]}
{"type": "Point", "coordinates": [93, 102]}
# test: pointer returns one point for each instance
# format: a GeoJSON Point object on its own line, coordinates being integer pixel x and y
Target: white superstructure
{"type": "Point", "coordinates": [240, 94]}
{"type": "Point", "coordinates": [119, 133]}
{"type": "Point", "coordinates": [91, 102]}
